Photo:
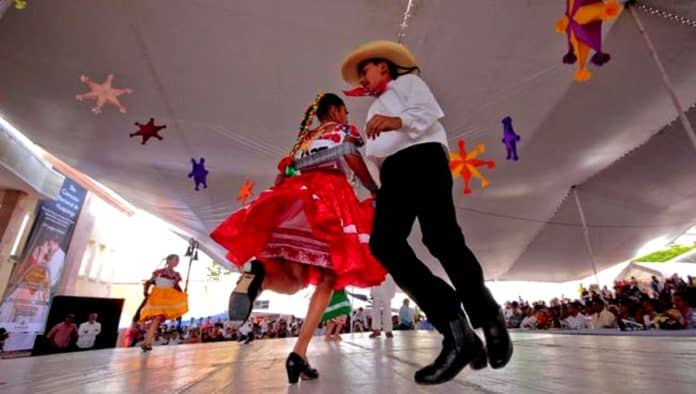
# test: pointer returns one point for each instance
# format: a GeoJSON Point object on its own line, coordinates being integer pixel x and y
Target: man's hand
{"type": "Point", "coordinates": [380, 123]}
{"type": "Point", "coordinates": [373, 196]}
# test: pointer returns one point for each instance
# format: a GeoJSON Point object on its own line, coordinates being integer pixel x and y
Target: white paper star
{"type": "Point", "coordinates": [103, 93]}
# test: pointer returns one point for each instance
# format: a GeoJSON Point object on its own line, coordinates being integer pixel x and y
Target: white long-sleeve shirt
{"type": "Point", "coordinates": [578, 322]}
{"type": "Point", "coordinates": [409, 98]}
{"type": "Point", "coordinates": [87, 334]}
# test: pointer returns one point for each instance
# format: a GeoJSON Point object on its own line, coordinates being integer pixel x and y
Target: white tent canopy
{"type": "Point", "coordinates": [231, 80]}
{"type": "Point", "coordinates": [689, 257]}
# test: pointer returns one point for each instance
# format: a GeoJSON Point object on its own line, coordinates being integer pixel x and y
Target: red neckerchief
{"type": "Point", "coordinates": [362, 92]}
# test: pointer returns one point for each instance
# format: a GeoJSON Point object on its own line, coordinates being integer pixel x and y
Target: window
{"type": "Point", "coordinates": [87, 258]}
{"type": "Point", "coordinates": [97, 262]}
{"type": "Point", "coordinates": [107, 268]}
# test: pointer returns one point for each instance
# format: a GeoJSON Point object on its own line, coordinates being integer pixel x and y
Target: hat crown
{"type": "Point", "coordinates": [382, 49]}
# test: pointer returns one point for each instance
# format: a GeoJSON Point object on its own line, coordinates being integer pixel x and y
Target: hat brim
{"type": "Point", "coordinates": [383, 49]}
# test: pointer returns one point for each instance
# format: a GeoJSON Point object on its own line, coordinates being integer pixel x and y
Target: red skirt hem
{"type": "Point", "coordinates": [313, 219]}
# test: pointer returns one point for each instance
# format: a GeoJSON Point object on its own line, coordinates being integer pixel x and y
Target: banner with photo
{"type": "Point", "coordinates": [25, 305]}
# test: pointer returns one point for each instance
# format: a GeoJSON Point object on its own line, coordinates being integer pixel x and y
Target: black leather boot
{"type": "Point", "coordinates": [480, 361]}
{"type": "Point", "coordinates": [460, 347]}
{"type": "Point", "coordinates": [498, 343]}
{"type": "Point", "coordinates": [243, 296]}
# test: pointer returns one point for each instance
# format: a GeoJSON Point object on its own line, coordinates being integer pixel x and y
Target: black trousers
{"type": "Point", "coordinates": [417, 183]}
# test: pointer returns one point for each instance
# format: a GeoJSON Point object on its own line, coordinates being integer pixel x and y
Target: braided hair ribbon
{"type": "Point", "coordinates": [285, 166]}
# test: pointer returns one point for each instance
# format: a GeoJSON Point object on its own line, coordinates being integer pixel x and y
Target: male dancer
{"type": "Point", "coordinates": [409, 145]}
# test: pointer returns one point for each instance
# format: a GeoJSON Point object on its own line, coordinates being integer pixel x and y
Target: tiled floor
{"type": "Point", "coordinates": [542, 363]}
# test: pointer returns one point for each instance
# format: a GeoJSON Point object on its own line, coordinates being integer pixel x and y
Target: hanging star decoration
{"type": "Point", "coordinates": [245, 191]}
{"type": "Point", "coordinates": [510, 139]}
{"type": "Point", "coordinates": [199, 173]}
{"type": "Point", "coordinates": [148, 131]}
{"type": "Point", "coordinates": [582, 25]}
{"type": "Point", "coordinates": [103, 93]}
{"type": "Point", "coordinates": [20, 4]}
{"type": "Point", "coordinates": [465, 164]}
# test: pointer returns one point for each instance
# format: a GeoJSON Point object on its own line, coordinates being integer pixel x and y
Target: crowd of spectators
{"type": "Point", "coordinates": [259, 327]}
{"type": "Point", "coordinates": [631, 305]}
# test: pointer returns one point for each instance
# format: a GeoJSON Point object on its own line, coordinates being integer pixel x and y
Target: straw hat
{"type": "Point", "coordinates": [383, 49]}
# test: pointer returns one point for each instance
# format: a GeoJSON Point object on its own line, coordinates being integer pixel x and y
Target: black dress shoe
{"type": "Point", "coordinates": [498, 343]}
{"type": "Point", "coordinates": [297, 368]}
{"type": "Point", "coordinates": [243, 296]}
{"type": "Point", "coordinates": [460, 347]}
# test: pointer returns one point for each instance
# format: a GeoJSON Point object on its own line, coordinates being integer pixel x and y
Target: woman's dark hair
{"type": "Point", "coordinates": [395, 70]}
{"type": "Point", "coordinates": [323, 105]}
{"type": "Point", "coordinates": [171, 256]}
{"type": "Point", "coordinates": [326, 102]}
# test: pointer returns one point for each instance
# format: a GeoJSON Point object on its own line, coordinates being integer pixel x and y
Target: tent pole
{"type": "Point", "coordinates": [586, 232]}
{"type": "Point", "coordinates": [665, 78]}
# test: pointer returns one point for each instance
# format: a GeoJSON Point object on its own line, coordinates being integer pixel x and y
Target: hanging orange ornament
{"type": "Point", "coordinates": [465, 164]}
{"type": "Point", "coordinates": [246, 191]}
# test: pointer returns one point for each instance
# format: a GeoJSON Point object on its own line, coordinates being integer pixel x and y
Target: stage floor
{"type": "Point", "coordinates": [542, 363]}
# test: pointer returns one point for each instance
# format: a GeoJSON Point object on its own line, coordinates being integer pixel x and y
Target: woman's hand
{"type": "Point", "coordinates": [146, 287]}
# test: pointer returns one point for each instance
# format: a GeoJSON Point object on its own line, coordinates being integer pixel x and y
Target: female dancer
{"type": "Point", "coordinates": [166, 301]}
{"type": "Point", "coordinates": [307, 229]}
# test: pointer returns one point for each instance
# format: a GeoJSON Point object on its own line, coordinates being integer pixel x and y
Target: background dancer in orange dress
{"type": "Point", "coordinates": [166, 300]}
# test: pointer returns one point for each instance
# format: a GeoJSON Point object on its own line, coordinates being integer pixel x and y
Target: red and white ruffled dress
{"type": "Point", "coordinates": [313, 218]}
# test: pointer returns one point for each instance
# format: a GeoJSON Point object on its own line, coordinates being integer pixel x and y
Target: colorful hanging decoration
{"type": "Point", "coordinates": [148, 131]}
{"type": "Point", "coordinates": [582, 25]}
{"type": "Point", "coordinates": [199, 173]}
{"type": "Point", "coordinates": [465, 164]}
{"type": "Point", "coordinates": [246, 191]}
{"type": "Point", "coordinates": [103, 93]}
{"type": "Point", "coordinates": [20, 4]}
{"type": "Point", "coordinates": [510, 139]}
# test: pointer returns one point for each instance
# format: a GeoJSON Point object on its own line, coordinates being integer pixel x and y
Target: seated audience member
{"type": "Point", "coordinates": [601, 317]}
{"type": "Point", "coordinates": [515, 318]}
{"type": "Point", "coordinates": [575, 319]}
{"type": "Point", "coordinates": [529, 321]}
{"type": "Point", "coordinates": [679, 300]}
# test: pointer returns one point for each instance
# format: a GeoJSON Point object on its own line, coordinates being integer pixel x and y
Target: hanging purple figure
{"type": "Point", "coordinates": [510, 139]}
{"type": "Point", "coordinates": [199, 173]}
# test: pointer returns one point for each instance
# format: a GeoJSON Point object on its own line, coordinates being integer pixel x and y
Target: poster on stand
{"type": "Point", "coordinates": [28, 296]}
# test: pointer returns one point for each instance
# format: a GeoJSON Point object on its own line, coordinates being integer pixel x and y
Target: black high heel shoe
{"type": "Point", "coordinates": [243, 296]}
{"type": "Point", "coordinates": [146, 348]}
{"type": "Point", "coordinates": [297, 368]}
